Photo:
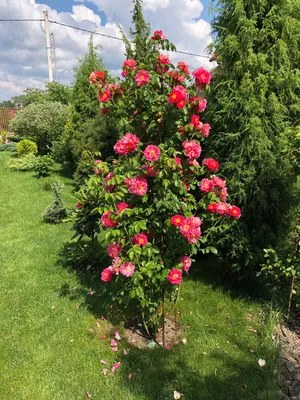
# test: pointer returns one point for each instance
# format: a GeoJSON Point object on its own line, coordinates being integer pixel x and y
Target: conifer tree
{"type": "Point", "coordinates": [253, 101]}
{"type": "Point", "coordinates": [138, 48]}
{"type": "Point", "coordinates": [86, 129]}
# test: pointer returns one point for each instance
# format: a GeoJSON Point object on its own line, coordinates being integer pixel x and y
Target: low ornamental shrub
{"type": "Point", "coordinates": [42, 166]}
{"type": "Point", "coordinates": [25, 163]}
{"type": "Point", "coordinates": [57, 211]}
{"type": "Point", "coordinates": [48, 181]}
{"type": "Point", "coordinates": [25, 147]}
{"type": "Point", "coordinates": [156, 203]}
{"type": "Point", "coordinates": [43, 123]}
{"type": "Point", "coordinates": [8, 147]}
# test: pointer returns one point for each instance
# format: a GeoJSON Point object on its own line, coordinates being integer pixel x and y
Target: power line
{"type": "Point", "coordinates": [95, 33]}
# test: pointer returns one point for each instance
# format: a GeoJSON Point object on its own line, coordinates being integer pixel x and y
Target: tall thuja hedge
{"type": "Point", "coordinates": [87, 131]}
{"type": "Point", "coordinates": [255, 98]}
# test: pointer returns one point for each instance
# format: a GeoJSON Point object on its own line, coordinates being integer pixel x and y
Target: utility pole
{"type": "Point", "coordinates": [54, 52]}
{"type": "Point", "coordinates": [48, 46]}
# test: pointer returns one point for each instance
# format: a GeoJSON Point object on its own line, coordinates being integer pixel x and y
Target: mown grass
{"type": "Point", "coordinates": [55, 354]}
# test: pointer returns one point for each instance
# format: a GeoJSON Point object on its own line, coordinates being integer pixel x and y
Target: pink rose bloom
{"type": "Point", "coordinates": [178, 161]}
{"type": "Point", "coordinates": [177, 220]}
{"type": "Point", "coordinates": [121, 206]}
{"type": "Point", "coordinates": [193, 162]}
{"type": "Point", "coordinates": [223, 208]}
{"type": "Point", "coordinates": [186, 263]}
{"type": "Point", "coordinates": [97, 76]}
{"type": "Point", "coordinates": [218, 182]}
{"type": "Point", "coordinates": [138, 186]}
{"type": "Point", "coordinates": [142, 78]}
{"type": "Point", "coordinates": [140, 239]}
{"type": "Point", "coordinates": [130, 63]}
{"type": "Point", "coordinates": [202, 76]}
{"type": "Point", "coordinates": [158, 35]}
{"type": "Point", "coordinates": [105, 96]}
{"type": "Point", "coordinates": [179, 93]}
{"type": "Point", "coordinates": [150, 172]}
{"type": "Point", "coordinates": [151, 152]}
{"type": "Point", "coordinates": [234, 212]}
{"type": "Point", "coordinates": [211, 164]}
{"type": "Point", "coordinates": [223, 194]}
{"type": "Point", "coordinates": [124, 73]}
{"type": "Point", "coordinates": [175, 276]}
{"type": "Point", "coordinates": [198, 103]}
{"type": "Point", "coordinates": [127, 144]}
{"type": "Point", "coordinates": [206, 185]}
{"type": "Point", "coordinates": [190, 228]}
{"type": "Point", "coordinates": [108, 222]}
{"type": "Point", "coordinates": [127, 269]}
{"type": "Point", "coordinates": [191, 149]}
{"type": "Point", "coordinates": [204, 129]}
{"type": "Point", "coordinates": [106, 275]}
{"type": "Point", "coordinates": [181, 103]}
{"type": "Point", "coordinates": [163, 59]}
{"type": "Point", "coordinates": [212, 207]}
{"type": "Point", "coordinates": [195, 120]}
{"type": "Point", "coordinates": [114, 250]}
{"type": "Point", "coordinates": [182, 66]}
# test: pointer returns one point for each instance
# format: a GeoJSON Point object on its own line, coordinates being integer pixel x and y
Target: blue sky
{"type": "Point", "coordinates": [23, 58]}
{"type": "Point", "coordinates": [66, 5]}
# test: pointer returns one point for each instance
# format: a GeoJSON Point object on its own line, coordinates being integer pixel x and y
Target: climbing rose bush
{"type": "Point", "coordinates": [156, 203]}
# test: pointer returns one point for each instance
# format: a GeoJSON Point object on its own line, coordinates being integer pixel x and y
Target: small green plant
{"type": "Point", "coordinates": [42, 166]}
{"type": "Point", "coordinates": [57, 211]}
{"type": "Point", "coordinates": [284, 267]}
{"type": "Point", "coordinates": [25, 163]}
{"type": "Point", "coordinates": [3, 137]}
{"type": "Point", "coordinates": [25, 147]}
{"type": "Point", "coordinates": [48, 181]}
{"type": "Point", "coordinates": [8, 147]}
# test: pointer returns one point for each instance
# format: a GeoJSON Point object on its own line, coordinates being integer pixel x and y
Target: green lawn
{"type": "Point", "coordinates": [53, 354]}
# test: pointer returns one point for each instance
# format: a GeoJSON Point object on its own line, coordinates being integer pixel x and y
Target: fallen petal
{"type": "Point", "coordinates": [125, 352]}
{"type": "Point", "coordinates": [78, 306]}
{"type": "Point", "coordinates": [90, 293]}
{"type": "Point", "coordinates": [177, 395]}
{"type": "Point", "coordinates": [53, 308]}
{"type": "Point", "coordinates": [117, 336]}
{"type": "Point", "coordinates": [253, 330]}
{"type": "Point", "coordinates": [114, 349]}
{"type": "Point", "coordinates": [130, 376]}
{"type": "Point", "coordinates": [133, 341]}
{"type": "Point", "coordinates": [105, 371]}
{"type": "Point", "coordinates": [34, 283]}
{"type": "Point", "coordinates": [261, 362]}
{"type": "Point", "coordinates": [97, 324]}
{"type": "Point", "coordinates": [88, 395]}
{"type": "Point", "coordinates": [103, 337]}
{"type": "Point", "coordinates": [103, 362]}
{"type": "Point", "coordinates": [103, 318]}
{"type": "Point", "coordinates": [252, 351]}
{"type": "Point", "coordinates": [115, 366]}
{"type": "Point", "coordinates": [168, 347]}
{"type": "Point", "coordinates": [113, 342]}
{"type": "Point", "coordinates": [184, 341]}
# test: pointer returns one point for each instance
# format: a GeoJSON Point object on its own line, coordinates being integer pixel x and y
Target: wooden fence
{"type": "Point", "coordinates": [6, 115]}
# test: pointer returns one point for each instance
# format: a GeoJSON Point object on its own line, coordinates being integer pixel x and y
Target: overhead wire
{"type": "Point", "coordinates": [94, 33]}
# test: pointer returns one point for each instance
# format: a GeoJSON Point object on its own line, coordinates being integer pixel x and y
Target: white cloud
{"type": "Point", "coordinates": [82, 13]}
{"type": "Point", "coordinates": [23, 60]}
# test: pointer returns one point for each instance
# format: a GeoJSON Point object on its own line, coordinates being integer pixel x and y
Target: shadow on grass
{"type": "Point", "coordinates": [210, 270]}
{"type": "Point", "coordinates": [87, 259]}
{"type": "Point", "coordinates": [65, 170]}
{"type": "Point", "coordinates": [223, 373]}
{"type": "Point", "coordinates": [157, 373]}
